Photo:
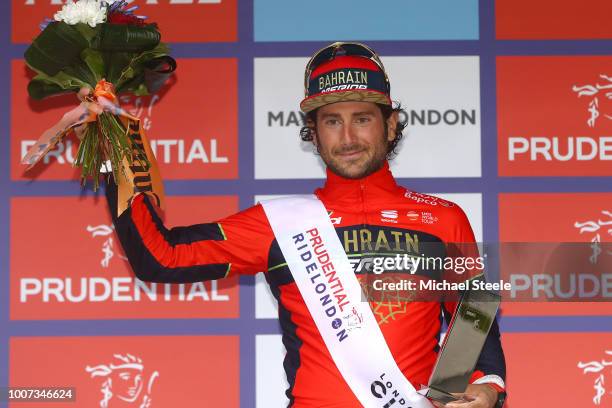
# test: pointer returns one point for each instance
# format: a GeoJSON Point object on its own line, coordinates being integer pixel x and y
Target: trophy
{"type": "Point", "coordinates": [462, 345]}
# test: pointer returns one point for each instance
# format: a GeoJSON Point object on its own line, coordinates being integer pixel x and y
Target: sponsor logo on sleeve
{"type": "Point", "coordinates": [421, 198]}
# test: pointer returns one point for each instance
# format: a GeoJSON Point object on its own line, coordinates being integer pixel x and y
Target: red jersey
{"type": "Point", "coordinates": [372, 216]}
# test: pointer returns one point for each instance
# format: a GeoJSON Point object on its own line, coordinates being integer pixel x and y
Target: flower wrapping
{"type": "Point", "coordinates": [99, 50]}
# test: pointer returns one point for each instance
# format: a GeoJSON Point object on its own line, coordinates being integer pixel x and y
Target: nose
{"type": "Point", "coordinates": [348, 135]}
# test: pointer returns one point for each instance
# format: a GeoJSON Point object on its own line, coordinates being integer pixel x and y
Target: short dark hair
{"type": "Point", "coordinates": [386, 110]}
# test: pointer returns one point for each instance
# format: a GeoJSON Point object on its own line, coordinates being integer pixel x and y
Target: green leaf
{"type": "Point", "coordinates": [43, 85]}
{"type": "Point", "coordinates": [124, 37]}
{"type": "Point", "coordinates": [87, 31]}
{"type": "Point", "coordinates": [95, 62]}
{"type": "Point", "coordinates": [81, 72]}
{"type": "Point", "coordinates": [157, 71]}
{"type": "Point", "coordinates": [134, 74]}
{"type": "Point", "coordinates": [116, 63]}
{"type": "Point", "coordinates": [39, 89]}
{"type": "Point", "coordinates": [57, 46]}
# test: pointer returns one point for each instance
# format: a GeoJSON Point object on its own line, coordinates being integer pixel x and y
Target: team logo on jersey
{"type": "Point", "coordinates": [412, 215]}
{"type": "Point", "coordinates": [427, 199]}
{"type": "Point", "coordinates": [425, 217]}
{"type": "Point", "coordinates": [124, 379]}
{"type": "Point", "coordinates": [389, 216]}
{"type": "Point", "coordinates": [361, 265]}
{"type": "Point", "coordinates": [428, 218]}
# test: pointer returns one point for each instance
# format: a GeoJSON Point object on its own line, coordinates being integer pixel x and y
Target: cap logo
{"type": "Point", "coordinates": [344, 72]}
{"type": "Point", "coordinates": [343, 79]}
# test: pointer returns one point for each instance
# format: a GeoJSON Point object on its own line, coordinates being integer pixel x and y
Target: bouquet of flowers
{"type": "Point", "coordinates": [99, 49]}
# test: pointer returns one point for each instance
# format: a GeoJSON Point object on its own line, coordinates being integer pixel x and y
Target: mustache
{"type": "Point", "coordinates": [355, 147]}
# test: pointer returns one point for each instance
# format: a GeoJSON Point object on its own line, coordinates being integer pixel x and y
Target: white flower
{"type": "Point", "coordinates": [90, 12]}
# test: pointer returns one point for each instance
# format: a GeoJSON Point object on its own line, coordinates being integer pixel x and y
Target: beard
{"type": "Point", "coordinates": [364, 165]}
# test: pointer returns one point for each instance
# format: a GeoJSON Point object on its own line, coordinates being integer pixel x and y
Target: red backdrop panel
{"type": "Point", "coordinates": [171, 371]}
{"type": "Point", "coordinates": [556, 218]}
{"type": "Point", "coordinates": [67, 263]}
{"type": "Point", "coordinates": [557, 369]}
{"type": "Point", "coordinates": [554, 116]}
{"type": "Point", "coordinates": [553, 19]}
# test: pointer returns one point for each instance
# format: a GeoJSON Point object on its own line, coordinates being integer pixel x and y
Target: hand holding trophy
{"type": "Point", "coordinates": [99, 50]}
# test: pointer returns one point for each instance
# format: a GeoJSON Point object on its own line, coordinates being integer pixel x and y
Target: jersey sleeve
{"type": "Point", "coordinates": [237, 244]}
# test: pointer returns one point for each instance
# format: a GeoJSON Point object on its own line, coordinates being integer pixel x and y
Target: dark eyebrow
{"type": "Point", "coordinates": [336, 115]}
{"type": "Point", "coordinates": [330, 115]}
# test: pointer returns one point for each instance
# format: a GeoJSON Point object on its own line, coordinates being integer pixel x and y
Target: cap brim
{"type": "Point", "coordinates": [316, 101]}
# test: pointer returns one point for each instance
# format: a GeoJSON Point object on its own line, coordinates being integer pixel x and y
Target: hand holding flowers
{"type": "Point", "coordinates": [103, 46]}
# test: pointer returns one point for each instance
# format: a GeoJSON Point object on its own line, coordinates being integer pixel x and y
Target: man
{"type": "Point", "coordinates": [354, 127]}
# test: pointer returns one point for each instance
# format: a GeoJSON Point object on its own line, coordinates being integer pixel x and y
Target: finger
{"type": "Point", "coordinates": [469, 397]}
{"type": "Point", "coordinates": [83, 93]}
{"type": "Point", "coordinates": [462, 404]}
{"type": "Point", "coordinates": [467, 401]}
{"type": "Point", "coordinates": [79, 131]}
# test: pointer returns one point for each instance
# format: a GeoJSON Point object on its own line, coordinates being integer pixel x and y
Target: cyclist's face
{"type": "Point", "coordinates": [351, 137]}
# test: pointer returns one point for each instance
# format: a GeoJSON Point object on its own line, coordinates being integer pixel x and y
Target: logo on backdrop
{"type": "Point", "coordinates": [96, 281]}
{"type": "Point", "coordinates": [595, 228]}
{"type": "Point", "coordinates": [556, 250]}
{"type": "Point", "coordinates": [598, 370]}
{"type": "Point", "coordinates": [130, 371]}
{"type": "Point", "coordinates": [124, 379]}
{"type": "Point", "coordinates": [603, 89]}
{"type": "Point", "coordinates": [551, 121]}
{"type": "Point", "coordinates": [413, 117]}
{"type": "Point", "coordinates": [105, 230]}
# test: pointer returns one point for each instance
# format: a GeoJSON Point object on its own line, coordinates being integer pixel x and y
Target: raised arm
{"type": "Point", "coordinates": [236, 244]}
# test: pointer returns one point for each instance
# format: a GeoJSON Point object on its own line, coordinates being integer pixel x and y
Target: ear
{"type": "Point", "coordinates": [313, 131]}
{"type": "Point", "coordinates": [391, 126]}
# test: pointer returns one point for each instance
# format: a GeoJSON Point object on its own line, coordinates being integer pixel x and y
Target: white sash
{"type": "Point", "coordinates": [334, 299]}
